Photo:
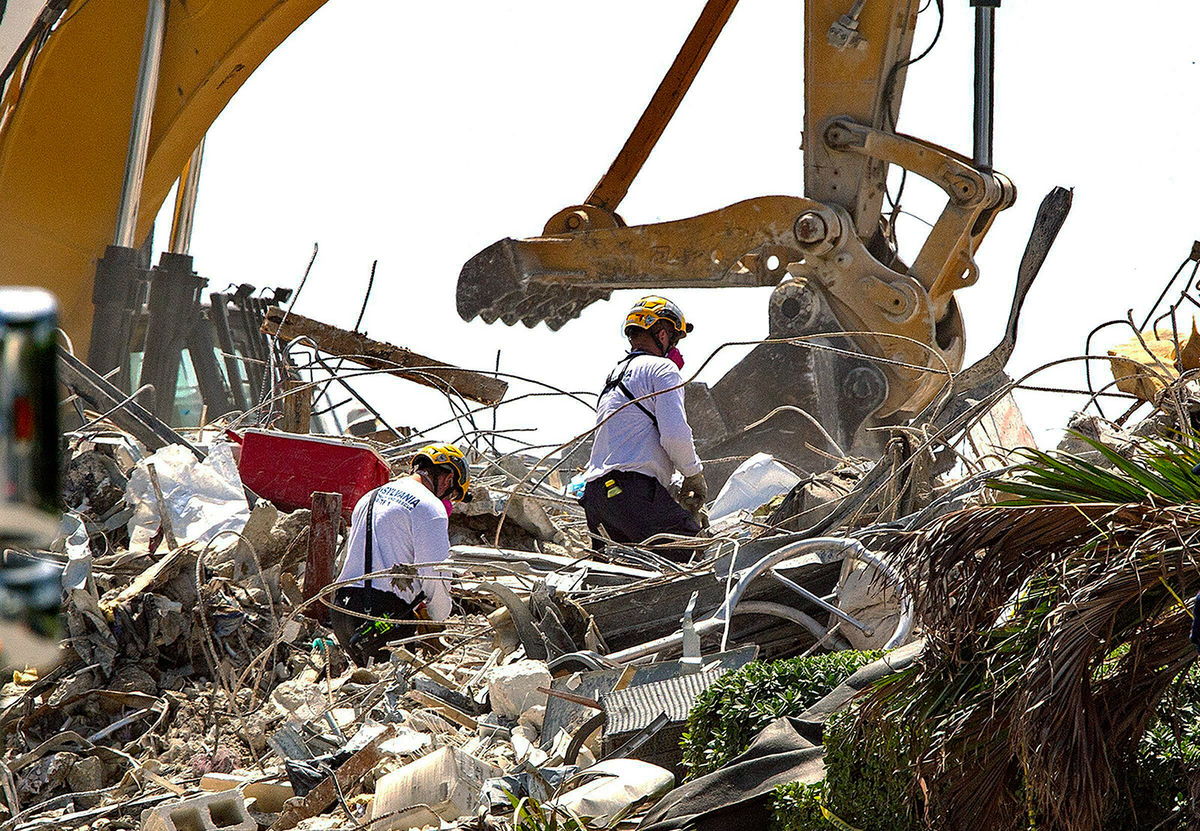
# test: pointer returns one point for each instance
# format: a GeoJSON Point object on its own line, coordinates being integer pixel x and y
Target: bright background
{"type": "Point", "coordinates": [419, 133]}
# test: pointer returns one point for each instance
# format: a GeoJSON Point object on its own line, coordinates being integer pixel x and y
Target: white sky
{"type": "Point", "coordinates": [419, 133]}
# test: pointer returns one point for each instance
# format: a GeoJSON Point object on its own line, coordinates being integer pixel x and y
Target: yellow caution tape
{"type": "Point", "coordinates": [833, 819]}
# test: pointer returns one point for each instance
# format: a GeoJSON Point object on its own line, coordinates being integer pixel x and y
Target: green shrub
{"type": "Point", "coordinates": [730, 713]}
{"type": "Point", "coordinates": [864, 783]}
{"type": "Point", "coordinates": [796, 806]}
{"type": "Point", "coordinates": [1168, 759]}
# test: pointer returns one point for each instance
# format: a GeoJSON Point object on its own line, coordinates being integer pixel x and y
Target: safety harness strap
{"type": "Point", "coordinates": [618, 382]}
{"type": "Point", "coordinates": [369, 546]}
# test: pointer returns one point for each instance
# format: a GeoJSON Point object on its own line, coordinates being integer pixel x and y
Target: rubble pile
{"type": "Point", "coordinates": [199, 688]}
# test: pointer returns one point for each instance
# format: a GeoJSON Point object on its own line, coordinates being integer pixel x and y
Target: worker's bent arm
{"type": "Point", "coordinates": [674, 433]}
{"type": "Point", "coordinates": [431, 544]}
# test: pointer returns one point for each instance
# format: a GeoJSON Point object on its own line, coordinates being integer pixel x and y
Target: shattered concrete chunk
{"type": "Point", "coordinates": [445, 785]}
{"type": "Point", "coordinates": [513, 689]}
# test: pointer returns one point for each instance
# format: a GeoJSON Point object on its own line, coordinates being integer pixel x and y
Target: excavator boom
{"type": "Point", "coordinates": [841, 285]}
{"type": "Point", "coordinates": [65, 123]}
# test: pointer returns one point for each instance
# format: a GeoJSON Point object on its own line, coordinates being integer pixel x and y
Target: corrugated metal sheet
{"type": "Point", "coordinates": [633, 708]}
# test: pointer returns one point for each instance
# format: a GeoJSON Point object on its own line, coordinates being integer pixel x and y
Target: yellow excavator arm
{"type": "Point", "coordinates": [65, 126]}
{"type": "Point", "coordinates": [893, 330]}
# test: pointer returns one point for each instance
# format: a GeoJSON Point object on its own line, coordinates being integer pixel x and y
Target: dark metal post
{"type": "Point", "coordinates": [985, 79]}
{"type": "Point", "coordinates": [174, 309]}
{"type": "Point", "coordinates": [117, 293]}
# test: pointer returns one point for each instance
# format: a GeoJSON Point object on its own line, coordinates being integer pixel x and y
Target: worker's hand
{"type": "Point", "coordinates": [693, 492]}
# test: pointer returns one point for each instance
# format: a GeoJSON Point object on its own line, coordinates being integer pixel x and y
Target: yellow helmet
{"type": "Point", "coordinates": [449, 456]}
{"type": "Point", "coordinates": [650, 310]}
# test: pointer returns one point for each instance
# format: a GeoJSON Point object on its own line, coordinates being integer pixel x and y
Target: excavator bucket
{"type": "Point", "coordinates": [494, 286]}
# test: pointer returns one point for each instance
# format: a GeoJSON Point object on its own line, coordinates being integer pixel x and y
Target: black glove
{"type": "Point", "coordinates": [693, 492]}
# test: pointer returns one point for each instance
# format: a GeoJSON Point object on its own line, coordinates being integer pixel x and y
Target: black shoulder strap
{"type": "Point", "coordinates": [616, 380]}
{"type": "Point", "coordinates": [369, 545]}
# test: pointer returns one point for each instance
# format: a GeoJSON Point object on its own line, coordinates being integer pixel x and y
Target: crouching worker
{"type": "Point", "coordinates": [404, 522]}
{"type": "Point", "coordinates": [642, 438]}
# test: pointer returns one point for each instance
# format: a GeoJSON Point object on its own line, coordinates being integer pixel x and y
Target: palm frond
{"type": "Point", "coordinates": [1054, 625]}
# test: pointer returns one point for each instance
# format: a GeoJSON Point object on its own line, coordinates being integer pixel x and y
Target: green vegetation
{"type": "Point", "coordinates": [727, 716]}
{"type": "Point", "coordinates": [865, 784]}
{"type": "Point", "coordinates": [1168, 763]}
{"type": "Point", "coordinates": [531, 815]}
{"type": "Point", "coordinates": [1058, 690]}
{"type": "Point", "coordinates": [1156, 471]}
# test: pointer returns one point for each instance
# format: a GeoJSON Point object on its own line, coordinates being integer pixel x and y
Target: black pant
{"type": "Point", "coordinates": [360, 637]}
{"type": "Point", "coordinates": [633, 507]}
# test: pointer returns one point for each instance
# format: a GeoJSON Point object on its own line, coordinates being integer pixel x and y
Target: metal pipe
{"type": "Point", "coordinates": [613, 186]}
{"type": "Point", "coordinates": [985, 79]}
{"type": "Point", "coordinates": [779, 610]}
{"type": "Point", "coordinates": [139, 128]}
{"type": "Point", "coordinates": [185, 203]}
{"type": "Point", "coordinates": [817, 601]}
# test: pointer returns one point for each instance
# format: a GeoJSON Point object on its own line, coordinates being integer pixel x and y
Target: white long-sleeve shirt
{"type": "Point", "coordinates": [410, 528]}
{"type": "Point", "coordinates": [629, 441]}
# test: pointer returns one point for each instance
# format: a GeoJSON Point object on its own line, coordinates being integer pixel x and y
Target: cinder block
{"type": "Point", "coordinates": [269, 795]}
{"type": "Point", "coordinates": [224, 811]}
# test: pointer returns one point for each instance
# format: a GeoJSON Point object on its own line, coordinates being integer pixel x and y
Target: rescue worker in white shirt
{"type": "Point", "coordinates": [639, 446]}
{"type": "Point", "coordinates": [403, 522]}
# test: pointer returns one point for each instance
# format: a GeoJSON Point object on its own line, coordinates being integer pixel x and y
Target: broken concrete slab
{"type": "Point", "coordinates": [615, 789]}
{"type": "Point", "coordinates": [513, 689]}
{"type": "Point", "coordinates": [375, 354]}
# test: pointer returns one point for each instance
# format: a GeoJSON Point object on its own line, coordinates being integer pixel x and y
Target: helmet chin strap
{"type": "Point", "coordinates": [427, 478]}
{"type": "Point", "coordinates": [659, 349]}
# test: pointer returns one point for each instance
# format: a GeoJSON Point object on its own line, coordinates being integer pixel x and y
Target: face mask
{"type": "Point", "coordinates": [449, 506]}
{"type": "Point", "coordinates": [675, 356]}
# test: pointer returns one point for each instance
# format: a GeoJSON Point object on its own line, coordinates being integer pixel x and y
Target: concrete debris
{"type": "Point", "coordinates": [514, 689]}
{"type": "Point", "coordinates": [223, 811]}
{"type": "Point", "coordinates": [443, 785]}
{"type": "Point", "coordinates": [199, 686]}
{"type": "Point", "coordinates": [378, 355]}
{"type": "Point", "coordinates": [1151, 361]}
{"type": "Point", "coordinates": [615, 788]}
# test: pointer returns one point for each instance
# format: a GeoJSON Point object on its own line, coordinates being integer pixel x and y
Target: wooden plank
{"type": "Point", "coordinates": [297, 406]}
{"type": "Point", "coordinates": [323, 795]}
{"type": "Point", "coordinates": [379, 355]}
{"type": "Point", "coordinates": [323, 528]}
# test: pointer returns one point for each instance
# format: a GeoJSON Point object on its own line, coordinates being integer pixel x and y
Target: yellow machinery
{"type": "Point", "coordinates": [72, 171]}
{"type": "Point", "coordinates": [82, 150]}
{"type": "Point", "coordinates": [891, 331]}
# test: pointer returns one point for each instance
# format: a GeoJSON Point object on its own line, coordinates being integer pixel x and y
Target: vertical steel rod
{"type": "Point", "coordinates": [185, 203]}
{"type": "Point", "coordinates": [985, 79]}
{"type": "Point", "coordinates": [139, 128]}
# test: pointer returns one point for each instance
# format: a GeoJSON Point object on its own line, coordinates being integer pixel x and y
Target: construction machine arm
{"type": "Point", "coordinates": [64, 131]}
{"type": "Point", "coordinates": [599, 210]}
{"type": "Point", "coordinates": [831, 242]}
